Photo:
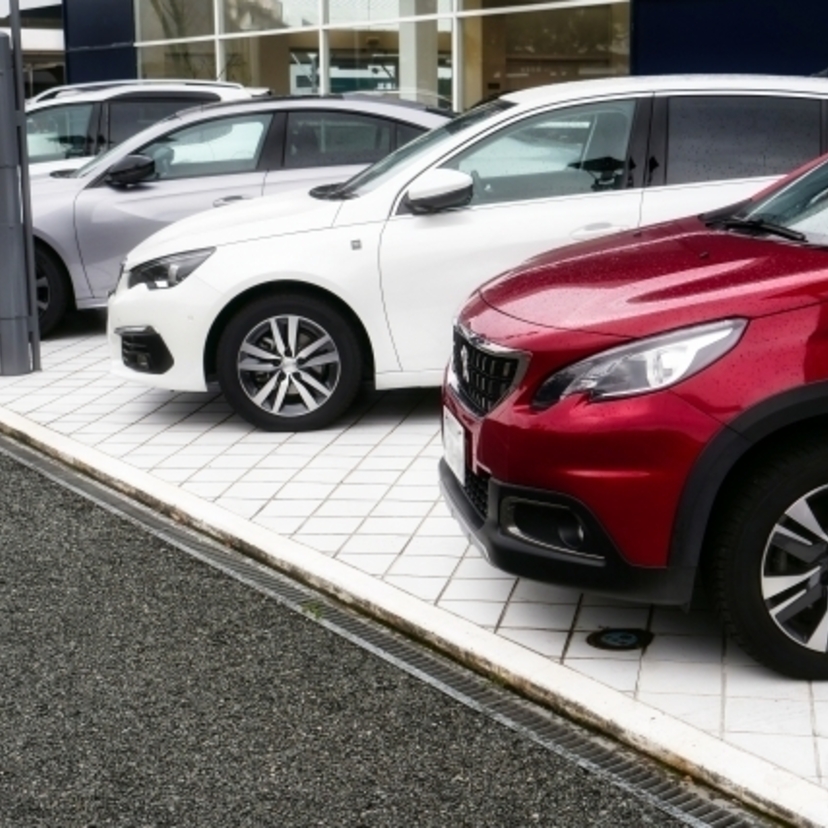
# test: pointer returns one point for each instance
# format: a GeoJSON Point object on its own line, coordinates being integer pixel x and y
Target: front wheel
{"type": "Point", "coordinates": [768, 564]}
{"type": "Point", "coordinates": [52, 291]}
{"type": "Point", "coordinates": [289, 363]}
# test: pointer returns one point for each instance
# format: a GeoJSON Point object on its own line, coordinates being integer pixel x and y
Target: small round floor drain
{"type": "Point", "coordinates": [620, 639]}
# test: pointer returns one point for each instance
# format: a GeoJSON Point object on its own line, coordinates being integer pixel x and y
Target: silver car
{"type": "Point", "coordinates": [87, 220]}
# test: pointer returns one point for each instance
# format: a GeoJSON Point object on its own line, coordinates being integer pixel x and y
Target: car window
{"type": "Point", "coordinates": [711, 138]}
{"type": "Point", "coordinates": [407, 132]}
{"type": "Point", "coordinates": [322, 139]}
{"type": "Point", "coordinates": [129, 116]}
{"type": "Point", "coordinates": [407, 155]}
{"type": "Point", "coordinates": [216, 147]}
{"type": "Point", "coordinates": [579, 149]}
{"type": "Point", "coordinates": [58, 132]}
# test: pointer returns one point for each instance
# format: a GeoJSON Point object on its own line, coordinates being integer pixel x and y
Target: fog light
{"type": "Point", "coordinates": [546, 524]}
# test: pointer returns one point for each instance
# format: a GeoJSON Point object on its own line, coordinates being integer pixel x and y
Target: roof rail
{"type": "Point", "coordinates": [77, 88]}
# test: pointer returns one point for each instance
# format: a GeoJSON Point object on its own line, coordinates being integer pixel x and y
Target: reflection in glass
{"type": "Point", "coordinates": [59, 132]}
{"type": "Point", "coordinates": [355, 11]}
{"type": "Point", "coordinates": [509, 52]}
{"type": "Point", "coordinates": [174, 19]}
{"type": "Point", "coordinates": [178, 60]}
{"type": "Point", "coordinates": [412, 60]}
{"type": "Point", "coordinates": [287, 64]}
{"type": "Point", "coordinates": [261, 15]}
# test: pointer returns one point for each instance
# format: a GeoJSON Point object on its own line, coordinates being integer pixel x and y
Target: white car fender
{"type": "Point", "coordinates": [342, 261]}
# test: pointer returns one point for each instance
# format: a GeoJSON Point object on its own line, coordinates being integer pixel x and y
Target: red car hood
{"type": "Point", "coordinates": [667, 276]}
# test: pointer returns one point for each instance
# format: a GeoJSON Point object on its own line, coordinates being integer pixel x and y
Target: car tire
{"type": "Point", "coordinates": [303, 376]}
{"type": "Point", "coordinates": [767, 560]}
{"type": "Point", "coordinates": [51, 290]}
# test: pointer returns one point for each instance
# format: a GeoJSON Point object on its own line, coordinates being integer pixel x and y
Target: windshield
{"type": "Point", "coordinates": [378, 173]}
{"type": "Point", "coordinates": [801, 207]}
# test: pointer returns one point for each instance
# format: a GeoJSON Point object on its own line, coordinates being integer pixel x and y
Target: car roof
{"type": "Point", "coordinates": [409, 111]}
{"type": "Point", "coordinates": [105, 90]}
{"type": "Point", "coordinates": [668, 83]}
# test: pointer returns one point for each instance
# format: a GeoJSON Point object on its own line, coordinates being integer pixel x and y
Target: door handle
{"type": "Point", "coordinates": [221, 202]}
{"type": "Point", "coordinates": [593, 231]}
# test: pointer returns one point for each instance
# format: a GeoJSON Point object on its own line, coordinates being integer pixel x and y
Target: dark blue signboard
{"type": "Point", "coordinates": [100, 40]}
{"type": "Point", "coordinates": [765, 36]}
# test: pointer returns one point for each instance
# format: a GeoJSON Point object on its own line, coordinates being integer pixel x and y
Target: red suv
{"type": "Point", "coordinates": [621, 414]}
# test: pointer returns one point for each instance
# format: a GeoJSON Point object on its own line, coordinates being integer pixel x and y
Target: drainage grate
{"type": "Point", "coordinates": [641, 777]}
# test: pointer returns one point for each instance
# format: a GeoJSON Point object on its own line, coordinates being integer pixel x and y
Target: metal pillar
{"type": "Point", "coordinates": [19, 337]}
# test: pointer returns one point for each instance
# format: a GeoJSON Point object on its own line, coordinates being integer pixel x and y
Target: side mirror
{"type": "Point", "coordinates": [439, 189]}
{"type": "Point", "coordinates": [131, 169]}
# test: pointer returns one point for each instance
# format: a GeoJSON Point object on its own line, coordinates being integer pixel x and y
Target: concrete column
{"type": "Point", "coordinates": [418, 52]}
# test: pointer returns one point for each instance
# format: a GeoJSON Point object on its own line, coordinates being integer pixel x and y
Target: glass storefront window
{"type": "Point", "coordinates": [287, 64]}
{"type": "Point", "coordinates": [402, 47]}
{"type": "Point", "coordinates": [178, 60]}
{"type": "Point", "coordinates": [411, 59]}
{"type": "Point", "coordinates": [261, 15]}
{"type": "Point", "coordinates": [513, 51]}
{"type": "Point", "coordinates": [356, 11]}
{"type": "Point", "coordinates": [174, 19]}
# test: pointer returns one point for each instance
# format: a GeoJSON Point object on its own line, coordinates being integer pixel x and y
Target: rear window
{"type": "Point", "coordinates": [711, 138]}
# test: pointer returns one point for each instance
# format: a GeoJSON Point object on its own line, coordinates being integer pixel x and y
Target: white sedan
{"type": "Point", "coordinates": [291, 301]}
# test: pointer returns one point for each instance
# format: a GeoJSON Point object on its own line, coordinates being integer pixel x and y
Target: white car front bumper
{"type": "Point", "coordinates": [165, 331]}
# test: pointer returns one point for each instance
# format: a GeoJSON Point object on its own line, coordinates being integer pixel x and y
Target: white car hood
{"type": "Point", "coordinates": [257, 218]}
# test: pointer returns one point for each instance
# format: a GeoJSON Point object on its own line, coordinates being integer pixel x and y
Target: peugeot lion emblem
{"type": "Point", "coordinates": [464, 363]}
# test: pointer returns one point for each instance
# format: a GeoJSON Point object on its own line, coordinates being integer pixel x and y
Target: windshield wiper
{"type": "Point", "coordinates": [759, 226]}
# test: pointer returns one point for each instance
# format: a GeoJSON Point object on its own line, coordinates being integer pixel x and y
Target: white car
{"type": "Point", "coordinates": [68, 125]}
{"type": "Point", "coordinates": [291, 301]}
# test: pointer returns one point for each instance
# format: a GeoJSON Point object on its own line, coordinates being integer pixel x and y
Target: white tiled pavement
{"type": "Point", "coordinates": [366, 494]}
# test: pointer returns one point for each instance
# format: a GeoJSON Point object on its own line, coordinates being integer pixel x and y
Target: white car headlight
{"type": "Point", "coordinates": [646, 365]}
{"type": "Point", "coordinates": [168, 271]}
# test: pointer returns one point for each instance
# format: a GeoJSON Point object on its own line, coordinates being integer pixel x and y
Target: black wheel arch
{"type": "Point", "coordinates": [274, 289]}
{"type": "Point", "coordinates": [791, 415]}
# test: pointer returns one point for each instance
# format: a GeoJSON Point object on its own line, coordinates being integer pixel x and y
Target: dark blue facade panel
{"type": "Point", "coordinates": [100, 38]}
{"type": "Point", "coordinates": [93, 23]}
{"type": "Point", "coordinates": [87, 65]}
{"type": "Point", "coordinates": [765, 36]}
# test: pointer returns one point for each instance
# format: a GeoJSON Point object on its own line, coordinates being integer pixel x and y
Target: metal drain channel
{"type": "Point", "coordinates": [641, 777]}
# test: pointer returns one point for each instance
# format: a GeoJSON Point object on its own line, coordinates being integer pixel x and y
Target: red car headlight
{"type": "Point", "coordinates": [643, 366]}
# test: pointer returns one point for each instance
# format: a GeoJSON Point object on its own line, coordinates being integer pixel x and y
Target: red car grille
{"type": "Point", "coordinates": [484, 377]}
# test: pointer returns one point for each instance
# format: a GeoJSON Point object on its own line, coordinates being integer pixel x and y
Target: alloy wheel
{"type": "Point", "coordinates": [794, 573]}
{"type": "Point", "coordinates": [288, 365]}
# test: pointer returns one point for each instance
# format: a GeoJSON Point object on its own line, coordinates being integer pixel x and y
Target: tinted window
{"type": "Point", "coordinates": [58, 132]}
{"type": "Point", "coordinates": [406, 133]}
{"type": "Point", "coordinates": [580, 149]}
{"type": "Point", "coordinates": [129, 116]}
{"type": "Point", "coordinates": [714, 138]}
{"type": "Point", "coordinates": [217, 147]}
{"type": "Point", "coordinates": [322, 139]}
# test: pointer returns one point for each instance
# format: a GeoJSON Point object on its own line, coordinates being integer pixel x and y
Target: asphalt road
{"type": "Point", "coordinates": [139, 687]}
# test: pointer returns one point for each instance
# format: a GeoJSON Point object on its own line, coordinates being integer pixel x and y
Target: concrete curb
{"type": "Point", "coordinates": [752, 780]}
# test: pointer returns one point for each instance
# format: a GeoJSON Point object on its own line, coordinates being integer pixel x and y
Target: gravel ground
{"type": "Point", "coordinates": [141, 688]}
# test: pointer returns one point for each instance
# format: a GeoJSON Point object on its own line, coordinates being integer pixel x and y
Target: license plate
{"type": "Point", "coordinates": [454, 445]}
